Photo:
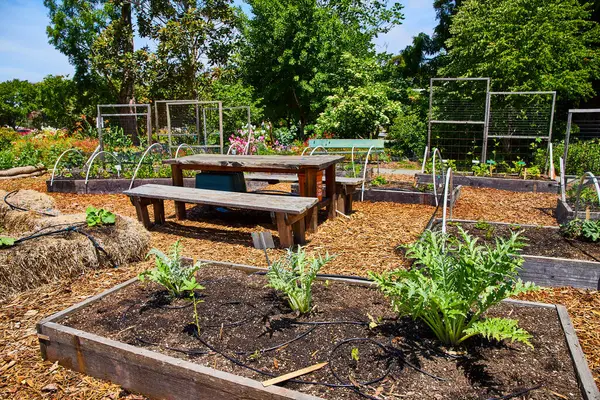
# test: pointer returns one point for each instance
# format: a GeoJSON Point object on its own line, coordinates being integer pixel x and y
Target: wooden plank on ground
{"type": "Point", "coordinates": [294, 374]}
{"type": "Point", "coordinates": [250, 201]}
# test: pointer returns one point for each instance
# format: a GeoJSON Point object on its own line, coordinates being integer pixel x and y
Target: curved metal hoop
{"type": "Point", "coordinates": [183, 145]}
{"type": "Point", "coordinates": [58, 160]}
{"type": "Point", "coordinates": [317, 148]}
{"type": "Point", "coordinates": [438, 153]}
{"type": "Point", "coordinates": [140, 163]}
{"type": "Point", "coordinates": [362, 193]}
{"type": "Point", "coordinates": [447, 186]}
{"type": "Point", "coordinates": [87, 175]}
{"type": "Point", "coordinates": [580, 187]}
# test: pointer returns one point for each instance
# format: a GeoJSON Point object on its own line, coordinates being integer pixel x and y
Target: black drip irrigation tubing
{"type": "Point", "coordinates": [70, 228]}
{"type": "Point", "coordinates": [390, 351]}
{"type": "Point", "coordinates": [14, 207]}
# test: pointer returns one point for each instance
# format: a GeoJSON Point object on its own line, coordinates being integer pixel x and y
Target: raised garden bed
{"type": "Point", "coordinates": [550, 259]}
{"type": "Point", "coordinates": [133, 336]}
{"type": "Point", "coordinates": [114, 185]}
{"type": "Point", "coordinates": [407, 193]}
{"type": "Point", "coordinates": [565, 212]}
{"type": "Point", "coordinates": [501, 183]}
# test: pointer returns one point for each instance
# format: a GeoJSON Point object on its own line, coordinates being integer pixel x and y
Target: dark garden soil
{"type": "Point", "coordinates": [541, 241]}
{"type": "Point", "coordinates": [243, 319]}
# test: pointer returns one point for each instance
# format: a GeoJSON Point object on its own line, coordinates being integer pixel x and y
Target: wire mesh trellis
{"type": "Point", "coordinates": [131, 120]}
{"type": "Point", "coordinates": [581, 148]}
{"type": "Point", "coordinates": [457, 117]}
{"type": "Point", "coordinates": [234, 118]}
{"type": "Point", "coordinates": [187, 124]}
{"type": "Point", "coordinates": [519, 128]}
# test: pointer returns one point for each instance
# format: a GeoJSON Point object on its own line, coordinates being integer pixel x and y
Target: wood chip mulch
{"type": "Point", "coordinates": [366, 241]}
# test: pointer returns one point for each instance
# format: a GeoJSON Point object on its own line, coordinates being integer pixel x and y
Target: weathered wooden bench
{"type": "Point", "coordinates": [345, 187]}
{"type": "Point", "coordinates": [289, 210]}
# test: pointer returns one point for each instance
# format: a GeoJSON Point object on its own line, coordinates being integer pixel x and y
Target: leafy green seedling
{"type": "Point", "coordinates": [171, 272]}
{"type": "Point", "coordinates": [98, 217]}
{"type": "Point", "coordinates": [6, 242]}
{"type": "Point", "coordinates": [293, 275]}
{"type": "Point", "coordinates": [354, 354]}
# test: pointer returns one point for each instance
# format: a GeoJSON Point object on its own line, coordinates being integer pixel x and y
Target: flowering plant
{"type": "Point", "coordinates": [247, 138]}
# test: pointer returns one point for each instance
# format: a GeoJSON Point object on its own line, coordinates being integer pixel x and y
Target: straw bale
{"type": "Point", "coordinates": [65, 255]}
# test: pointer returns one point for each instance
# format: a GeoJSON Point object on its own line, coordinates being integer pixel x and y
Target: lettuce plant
{"type": "Point", "coordinates": [171, 273]}
{"type": "Point", "coordinates": [454, 281]}
{"type": "Point", "coordinates": [293, 275]}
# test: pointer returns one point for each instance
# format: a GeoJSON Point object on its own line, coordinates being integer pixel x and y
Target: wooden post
{"type": "Point", "coordinates": [330, 191]}
{"type": "Point", "coordinates": [285, 231]}
{"type": "Point", "coordinates": [159, 211]}
{"type": "Point", "coordinates": [141, 209]}
{"type": "Point", "coordinates": [310, 190]}
{"type": "Point", "coordinates": [177, 175]}
{"type": "Point", "coordinates": [299, 230]}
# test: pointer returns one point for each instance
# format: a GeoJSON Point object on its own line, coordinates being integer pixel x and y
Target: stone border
{"type": "Point", "coordinates": [552, 271]}
{"type": "Point", "coordinates": [564, 213]}
{"type": "Point", "coordinates": [514, 185]}
{"type": "Point", "coordinates": [161, 376]}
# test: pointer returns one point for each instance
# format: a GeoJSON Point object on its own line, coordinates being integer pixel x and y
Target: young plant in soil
{"type": "Point", "coordinates": [379, 180]}
{"type": "Point", "coordinates": [293, 275]}
{"type": "Point", "coordinates": [171, 273]}
{"type": "Point", "coordinates": [6, 241]}
{"type": "Point", "coordinates": [588, 230]}
{"type": "Point", "coordinates": [98, 217]}
{"type": "Point", "coordinates": [454, 281]}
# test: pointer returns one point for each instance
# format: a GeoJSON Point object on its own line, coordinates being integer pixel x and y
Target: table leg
{"type": "Point", "coordinates": [177, 175]}
{"type": "Point", "coordinates": [310, 190]}
{"type": "Point", "coordinates": [330, 191]}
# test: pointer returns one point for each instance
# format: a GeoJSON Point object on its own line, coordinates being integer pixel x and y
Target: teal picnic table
{"type": "Point", "coordinates": [309, 169]}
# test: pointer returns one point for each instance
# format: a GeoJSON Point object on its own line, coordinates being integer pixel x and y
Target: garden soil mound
{"type": "Point", "coordinates": [53, 257]}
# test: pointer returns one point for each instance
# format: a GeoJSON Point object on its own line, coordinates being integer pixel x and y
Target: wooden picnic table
{"type": "Point", "coordinates": [306, 166]}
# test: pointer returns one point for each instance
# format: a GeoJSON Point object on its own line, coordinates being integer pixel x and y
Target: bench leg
{"type": "Point", "coordinates": [299, 230]}
{"type": "Point", "coordinates": [177, 176]}
{"type": "Point", "coordinates": [141, 209]}
{"type": "Point", "coordinates": [286, 239]}
{"type": "Point", "coordinates": [348, 197]}
{"type": "Point", "coordinates": [159, 211]}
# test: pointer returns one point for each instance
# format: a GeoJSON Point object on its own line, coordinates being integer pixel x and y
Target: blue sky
{"type": "Point", "coordinates": [26, 54]}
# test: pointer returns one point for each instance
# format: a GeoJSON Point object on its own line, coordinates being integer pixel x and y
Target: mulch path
{"type": "Point", "coordinates": [366, 241]}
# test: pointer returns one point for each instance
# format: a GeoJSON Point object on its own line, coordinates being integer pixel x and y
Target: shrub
{"type": "Point", "coordinates": [293, 275]}
{"type": "Point", "coordinates": [7, 159]}
{"type": "Point", "coordinates": [171, 273]}
{"type": "Point", "coordinates": [454, 281]}
{"type": "Point", "coordinates": [408, 134]}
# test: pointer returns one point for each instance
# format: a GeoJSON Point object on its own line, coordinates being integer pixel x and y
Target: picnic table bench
{"type": "Point", "coordinates": [345, 187]}
{"type": "Point", "coordinates": [289, 211]}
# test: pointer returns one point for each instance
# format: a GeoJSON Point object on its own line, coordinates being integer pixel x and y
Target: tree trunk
{"type": "Point", "coordinates": [126, 92]}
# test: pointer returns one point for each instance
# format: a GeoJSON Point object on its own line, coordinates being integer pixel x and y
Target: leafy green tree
{"type": "Point", "coordinates": [292, 50]}
{"type": "Point", "coordinates": [17, 100]}
{"type": "Point", "coordinates": [57, 96]}
{"type": "Point", "coordinates": [191, 37]}
{"type": "Point", "coordinates": [97, 36]}
{"type": "Point", "coordinates": [526, 45]}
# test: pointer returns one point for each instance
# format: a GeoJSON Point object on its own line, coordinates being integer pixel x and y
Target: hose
{"type": "Point", "coordinates": [14, 207]}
